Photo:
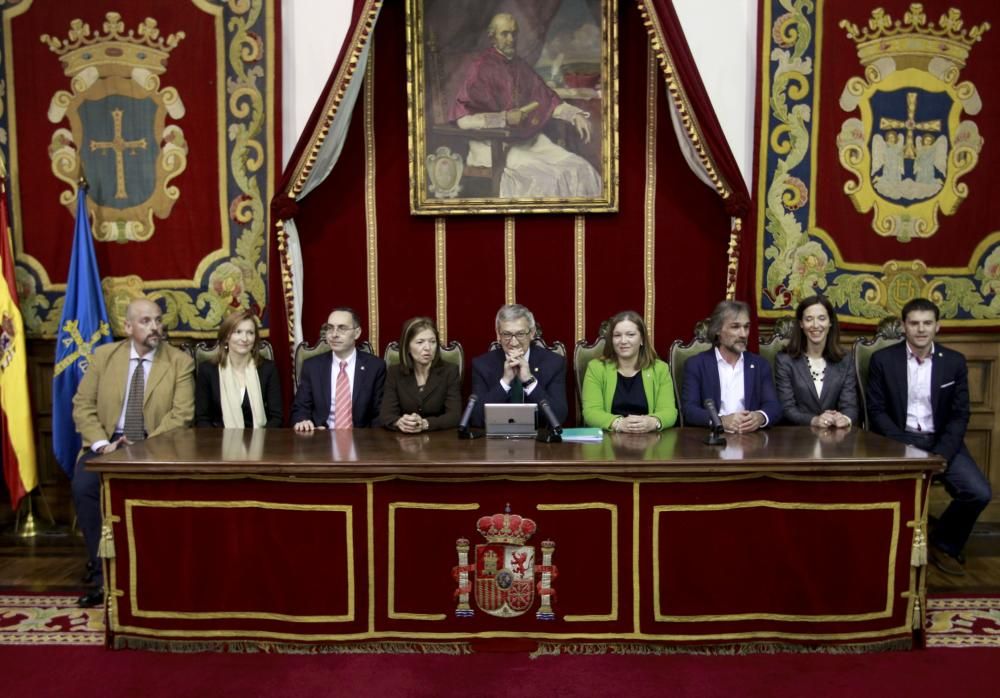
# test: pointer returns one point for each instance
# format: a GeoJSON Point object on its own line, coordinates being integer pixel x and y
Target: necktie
{"type": "Point", "coordinates": [342, 403]}
{"type": "Point", "coordinates": [516, 390]}
{"type": "Point", "coordinates": [135, 428]}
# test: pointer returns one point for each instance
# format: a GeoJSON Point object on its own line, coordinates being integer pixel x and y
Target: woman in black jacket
{"type": "Point", "coordinates": [238, 388]}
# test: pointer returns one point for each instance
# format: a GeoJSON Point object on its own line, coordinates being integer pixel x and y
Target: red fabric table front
{"type": "Point", "coordinates": [225, 538]}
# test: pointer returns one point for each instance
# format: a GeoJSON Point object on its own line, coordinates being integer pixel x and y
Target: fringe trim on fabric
{"type": "Point", "coordinates": [591, 648]}
{"type": "Point", "coordinates": [251, 647]}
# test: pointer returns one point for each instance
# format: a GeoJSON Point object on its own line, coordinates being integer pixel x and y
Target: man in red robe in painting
{"type": "Point", "coordinates": [501, 91]}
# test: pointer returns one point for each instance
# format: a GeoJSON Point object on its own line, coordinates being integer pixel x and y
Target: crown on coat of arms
{"type": "Point", "coordinates": [506, 528]}
{"type": "Point", "coordinates": [119, 52]}
{"type": "Point", "coordinates": [913, 37]}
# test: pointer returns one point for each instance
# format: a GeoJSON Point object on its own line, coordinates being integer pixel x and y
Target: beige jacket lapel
{"type": "Point", "coordinates": [157, 371]}
{"type": "Point", "coordinates": [111, 397]}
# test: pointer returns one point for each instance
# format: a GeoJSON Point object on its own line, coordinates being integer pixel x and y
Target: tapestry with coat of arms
{"type": "Point", "coordinates": [878, 126]}
{"type": "Point", "coordinates": [165, 111]}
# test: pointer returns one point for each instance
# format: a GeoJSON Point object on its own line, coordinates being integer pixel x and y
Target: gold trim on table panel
{"type": "Point", "coordinates": [291, 478]}
{"type": "Point", "coordinates": [613, 510]}
{"type": "Point", "coordinates": [863, 506]}
{"type": "Point", "coordinates": [111, 571]}
{"type": "Point", "coordinates": [652, 479]}
{"type": "Point", "coordinates": [921, 572]}
{"type": "Point", "coordinates": [391, 576]}
{"type": "Point", "coordinates": [347, 510]}
{"type": "Point", "coordinates": [370, 541]}
{"type": "Point", "coordinates": [636, 580]}
{"type": "Point", "coordinates": [490, 634]}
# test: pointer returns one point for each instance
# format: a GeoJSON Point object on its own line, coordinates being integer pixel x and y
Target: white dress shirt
{"type": "Point", "coordinates": [731, 397]}
{"type": "Point", "coordinates": [919, 413]}
{"type": "Point", "coordinates": [352, 362]}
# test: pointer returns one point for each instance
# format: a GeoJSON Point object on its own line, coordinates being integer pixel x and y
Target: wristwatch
{"type": "Point", "coordinates": [529, 382]}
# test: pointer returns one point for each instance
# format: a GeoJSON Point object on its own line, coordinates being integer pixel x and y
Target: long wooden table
{"type": "Point", "coordinates": [223, 538]}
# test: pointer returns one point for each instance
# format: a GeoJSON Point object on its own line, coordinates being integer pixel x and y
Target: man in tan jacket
{"type": "Point", "coordinates": [133, 389]}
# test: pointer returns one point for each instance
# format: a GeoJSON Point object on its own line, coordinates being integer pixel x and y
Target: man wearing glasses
{"type": "Point", "coordinates": [341, 389]}
{"type": "Point", "coordinates": [518, 371]}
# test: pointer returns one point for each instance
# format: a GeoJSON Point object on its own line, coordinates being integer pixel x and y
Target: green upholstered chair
{"type": "Point", "coordinates": [206, 351]}
{"type": "Point", "coordinates": [889, 332]}
{"type": "Point", "coordinates": [451, 353]}
{"type": "Point", "coordinates": [680, 353]}
{"type": "Point", "coordinates": [582, 355]}
{"type": "Point", "coordinates": [304, 351]}
{"type": "Point", "coordinates": [778, 340]}
{"type": "Point", "coordinates": [391, 354]}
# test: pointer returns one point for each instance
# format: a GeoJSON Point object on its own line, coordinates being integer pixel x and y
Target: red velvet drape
{"type": "Point", "coordinates": [687, 260]}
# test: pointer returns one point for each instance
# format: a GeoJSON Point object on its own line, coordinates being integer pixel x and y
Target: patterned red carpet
{"type": "Point", "coordinates": [52, 619]}
{"type": "Point", "coordinates": [972, 621]}
{"type": "Point", "coordinates": [27, 619]}
{"type": "Point", "coordinates": [48, 645]}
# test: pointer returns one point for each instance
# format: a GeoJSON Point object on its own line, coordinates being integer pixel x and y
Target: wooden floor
{"type": "Point", "coordinates": [54, 560]}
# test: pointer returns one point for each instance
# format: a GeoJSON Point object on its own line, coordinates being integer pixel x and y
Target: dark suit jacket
{"type": "Point", "coordinates": [701, 381]}
{"type": "Point", "coordinates": [797, 391]}
{"type": "Point", "coordinates": [312, 398]}
{"type": "Point", "coordinates": [546, 366]}
{"type": "Point", "coordinates": [887, 396]}
{"type": "Point", "coordinates": [440, 402]}
{"type": "Point", "coordinates": [208, 397]}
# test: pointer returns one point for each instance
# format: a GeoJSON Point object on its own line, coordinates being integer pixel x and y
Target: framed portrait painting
{"type": "Point", "coordinates": [512, 106]}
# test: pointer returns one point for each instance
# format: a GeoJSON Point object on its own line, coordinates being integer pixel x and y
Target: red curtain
{"type": "Point", "coordinates": [688, 259]}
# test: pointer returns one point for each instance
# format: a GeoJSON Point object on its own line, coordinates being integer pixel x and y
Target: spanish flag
{"type": "Point", "coordinates": [18, 439]}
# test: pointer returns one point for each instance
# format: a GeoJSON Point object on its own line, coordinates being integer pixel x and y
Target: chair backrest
{"type": "Point", "coordinates": [582, 355]}
{"type": "Point", "coordinates": [304, 351]}
{"type": "Point", "coordinates": [889, 332]}
{"type": "Point", "coordinates": [391, 354]}
{"type": "Point", "coordinates": [451, 353]}
{"type": "Point", "coordinates": [778, 340]}
{"type": "Point", "coordinates": [206, 351]}
{"type": "Point", "coordinates": [679, 355]}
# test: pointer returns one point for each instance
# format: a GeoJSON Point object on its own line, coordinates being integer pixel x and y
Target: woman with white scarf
{"type": "Point", "coordinates": [239, 388]}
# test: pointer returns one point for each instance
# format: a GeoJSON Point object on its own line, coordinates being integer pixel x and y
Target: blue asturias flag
{"type": "Point", "coordinates": [82, 327]}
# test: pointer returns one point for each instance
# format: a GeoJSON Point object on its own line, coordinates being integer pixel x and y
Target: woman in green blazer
{"type": "Point", "coordinates": [628, 389]}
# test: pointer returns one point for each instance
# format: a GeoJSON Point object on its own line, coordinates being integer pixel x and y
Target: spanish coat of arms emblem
{"type": "Point", "coordinates": [505, 574]}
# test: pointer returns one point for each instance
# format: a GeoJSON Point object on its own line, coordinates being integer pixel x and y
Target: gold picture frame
{"type": "Point", "coordinates": [512, 112]}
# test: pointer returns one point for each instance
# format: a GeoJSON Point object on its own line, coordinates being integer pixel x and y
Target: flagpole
{"type": "Point", "coordinates": [26, 523]}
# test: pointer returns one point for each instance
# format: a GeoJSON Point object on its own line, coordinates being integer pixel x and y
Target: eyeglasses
{"type": "Point", "coordinates": [328, 330]}
{"type": "Point", "coordinates": [521, 336]}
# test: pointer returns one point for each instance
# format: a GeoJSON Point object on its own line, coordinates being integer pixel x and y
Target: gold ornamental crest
{"type": "Point", "coordinates": [911, 144]}
{"type": "Point", "coordinates": [117, 136]}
